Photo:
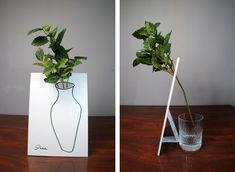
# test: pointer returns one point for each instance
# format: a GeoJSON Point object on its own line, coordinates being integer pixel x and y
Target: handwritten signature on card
{"type": "Point", "coordinates": [39, 147]}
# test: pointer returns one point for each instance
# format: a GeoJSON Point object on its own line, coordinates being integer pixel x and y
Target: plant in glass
{"type": "Point", "coordinates": [156, 53]}
{"type": "Point", "coordinates": [57, 65]}
{"type": "Point", "coordinates": [57, 68]}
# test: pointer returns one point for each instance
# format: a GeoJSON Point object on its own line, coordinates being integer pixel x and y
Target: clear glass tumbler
{"type": "Point", "coordinates": [190, 132]}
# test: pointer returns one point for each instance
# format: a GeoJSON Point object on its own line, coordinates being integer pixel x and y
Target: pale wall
{"type": "Point", "coordinates": [202, 35]}
{"type": "Point", "coordinates": [90, 31]}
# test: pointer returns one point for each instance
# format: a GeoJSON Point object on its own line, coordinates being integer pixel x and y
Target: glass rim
{"type": "Point", "coordinates": [199, 117]}
{"type": "Point", "coordinates": [58, 85]}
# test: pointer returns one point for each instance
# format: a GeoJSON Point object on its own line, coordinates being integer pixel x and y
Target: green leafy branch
{"type": "Point", "coordinates": [58, 66]}
{"type": "Point", "coordinates": [156, 52]}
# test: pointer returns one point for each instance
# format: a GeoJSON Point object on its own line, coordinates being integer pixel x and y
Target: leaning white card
{"type": "Point", "coordinates": [58, 117]}
{"type": "Point", "coordinates": [168, 114]}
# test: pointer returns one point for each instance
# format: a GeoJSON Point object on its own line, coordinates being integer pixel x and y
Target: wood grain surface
{"type": "Point", "coordinates": [140, 133]}
{"type": "Point", "coordinates": [13, 148]}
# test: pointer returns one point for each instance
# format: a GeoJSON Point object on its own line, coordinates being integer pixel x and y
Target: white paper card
{"type": "Point", "coordinates": [58, 118]}
{"type": "Point", "coordinates": [168, 114]}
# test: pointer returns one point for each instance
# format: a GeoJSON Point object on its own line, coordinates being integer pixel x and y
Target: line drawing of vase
{"type": "Point", "coordinates": [65, 116]}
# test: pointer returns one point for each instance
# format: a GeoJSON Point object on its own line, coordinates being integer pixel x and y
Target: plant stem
{"type": "Point", "coordinates": [67, 83]}
{"type": "Point", "coordinates": [62, 81]}
{"type": "Point", "coordinates": [185, 98]}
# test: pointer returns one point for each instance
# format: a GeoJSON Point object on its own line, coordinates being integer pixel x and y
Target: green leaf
{"type": "Point", "coordinates": [144, 57]}
{"type": "Point", "coordinates": [70, 62]}
{"type": "Point", "coordinates": [157, 24]}
{"type": "Point", "coordinates": [60, 36]}
{"type": "Point", "coordinates": [39, 54]}
{"type": "Point", "coordinates": [149, 43]}
{"type": "Point", "coordinates": [46, 27]}
{"type": "Point", "coordinates": [48, 64]}
{"type": "Point", "coordinates": [136, 62]}
{"type": "Point", "coordinates": [45, 58]}
{"type": "Point", "coordinates": [167, 38]}
{"type": "Point", "coordinates": [147, 61]}
{"type": "Point", "coordinates": [68, 69]}
{"type": "Point", "coordinates": [80, 57]}
{"type": "Point", "coordinates": [167, 48]}
{"type": "Point", "coordinates": [48, 70]}
{"type": "Point", "coordinates": [68, 50]}
{"type": "Point", "coordinates": [160, 50]}
{"type": "Point", "coordinates": [74, 62]}
{"type": "Point", "coordinates": [156, 64]}
{"type": "Point", "coordinates": [66, 75]}
{"type": "Point", "coordinates": [61, 63]}
{"type": "Point", "coordinates": [53, 78]}
{"type": "Point", "coordinates": [48, 57]}
{"type": "Point", "coordinates": [140, 33]}
{"type": "Point", "coordinates": [166, 60]}
{"type": "Point", "coordinates": [67, 72]}
{"type": "Point", "coordinates": [155, 69]}
{"type": "Point", "coordinates": [77, 62]}
{"type": "Point", "coordinates": [143, 54]}
{"type": "Point", "coordinates": [39, 41]}
{"type": "Point", "coordinates": [159, 39]}
{"type": "Point", "coordinates": [34, 30]}
{"type": "Point", "coordinates": [150, 28]}
{"type": "Point", "coordinates": [38, 64]}
{"type": "Point", "coordinates": [53, 32]}
{"type": "Point", "coordinates": [59, 50]}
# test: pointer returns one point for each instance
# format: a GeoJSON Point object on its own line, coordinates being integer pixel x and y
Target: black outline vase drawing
{"type": "Point", "coordinates": [65, 116]}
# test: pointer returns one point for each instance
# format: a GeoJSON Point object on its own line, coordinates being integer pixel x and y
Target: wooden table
{"type": "Point", "coordinates": [13, 148]}
{"type": "Point", "coordinates": [140, 133]}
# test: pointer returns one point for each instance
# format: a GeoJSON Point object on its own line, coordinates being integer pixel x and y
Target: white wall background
{"type": "Point", "coordinates": [202, 35]}
{"type": "Point", "coordinates": [90, 30]}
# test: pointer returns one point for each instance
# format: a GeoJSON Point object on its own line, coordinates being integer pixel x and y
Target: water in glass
{"type": "Point", "coordinates": [190, 133]}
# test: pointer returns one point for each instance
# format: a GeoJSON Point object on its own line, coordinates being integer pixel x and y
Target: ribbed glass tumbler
{"type": "Point", "coordinates": [190, 131]}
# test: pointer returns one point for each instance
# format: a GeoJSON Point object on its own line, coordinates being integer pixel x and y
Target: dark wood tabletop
{"type": "Point", "coordinates": [13, 148]}
{"type": "Point", "coordinates": [140, 132]}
